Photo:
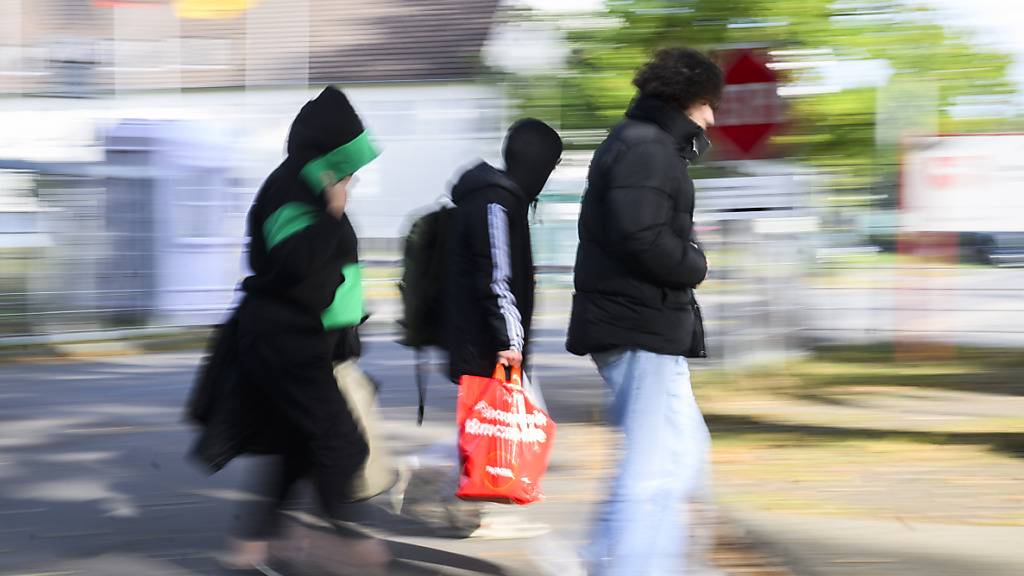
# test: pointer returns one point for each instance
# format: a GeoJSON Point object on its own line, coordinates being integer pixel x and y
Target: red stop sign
{"type": "Point", "coordinates": [751, 108]}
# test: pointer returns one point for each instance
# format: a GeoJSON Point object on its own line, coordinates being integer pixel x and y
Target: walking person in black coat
{"type": "Point", "coordinates": [490, 276]}
{"type": "Point", "coordinates": [301, 308]}
{"type": "Point", "coordinates": [634, 311]}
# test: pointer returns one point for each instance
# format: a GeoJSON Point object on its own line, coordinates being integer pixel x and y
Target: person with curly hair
{"type": "Point", "coordinates": [634, 313]}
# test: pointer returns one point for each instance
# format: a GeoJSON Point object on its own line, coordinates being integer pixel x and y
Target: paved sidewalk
{"type": "Point", "coordinates": [840, 546]}
{"type": "Point", "coordinates": [872, 469]}
{"type": "Point", "coordinates": [94, 480]}
{"type": "Point", "coordinates": [868, 463]}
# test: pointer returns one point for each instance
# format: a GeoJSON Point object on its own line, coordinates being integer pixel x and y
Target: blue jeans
{"type": "Point", "coordinates": [641, 529]}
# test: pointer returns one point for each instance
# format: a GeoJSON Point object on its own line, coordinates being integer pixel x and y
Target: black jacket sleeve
{"type": "Point", "coordinates": [310, 236]}
{"type": "Point", "coordinates": [639, 219]}
{"type": "Point", "coordinates": [491, 252]}
{"type": "Point", "coordinates": [305, 253]}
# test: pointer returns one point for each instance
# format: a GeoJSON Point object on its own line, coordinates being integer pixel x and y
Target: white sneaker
{"type": "Point", "coordinates": [502, 522]}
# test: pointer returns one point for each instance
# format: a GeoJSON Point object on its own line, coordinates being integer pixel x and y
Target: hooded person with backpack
{"type": "Point", "coordinates": [302, 305]}
{"type": "Point", "coordinates": [467, 288]}
{"type": "Point", "coordinates": [488, 291]}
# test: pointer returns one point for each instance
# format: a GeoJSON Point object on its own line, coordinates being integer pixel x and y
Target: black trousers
{"type": "Point", "coordinates": [293, 383]}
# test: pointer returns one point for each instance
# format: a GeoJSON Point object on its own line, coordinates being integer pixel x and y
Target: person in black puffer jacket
{"type": "Point", "coordinates": [636, 268]}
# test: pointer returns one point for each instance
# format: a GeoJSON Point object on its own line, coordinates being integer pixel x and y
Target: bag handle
{"type": "Point", "coordinates": [508, 374]}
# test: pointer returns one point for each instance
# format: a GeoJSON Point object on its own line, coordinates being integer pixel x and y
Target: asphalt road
{"type": "Point", "coordinates": [94, 476]}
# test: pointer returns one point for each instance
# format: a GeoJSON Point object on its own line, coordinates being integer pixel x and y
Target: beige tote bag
{"type": "Point", "coordinates": [378, 474]}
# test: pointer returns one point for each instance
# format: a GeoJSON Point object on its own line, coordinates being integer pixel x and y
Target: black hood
{"type": "Point", "coordinates": [532, 150]}
{"type": "Point", "coordinates": [323, 124]}
{"type": "Point", "coordinates": [328, 140]}
{"type": "Point", "coordinates": [480, 177]}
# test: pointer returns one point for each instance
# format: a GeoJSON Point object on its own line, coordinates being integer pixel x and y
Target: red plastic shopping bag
{"type": "Point", "coordinates": [504, 440]}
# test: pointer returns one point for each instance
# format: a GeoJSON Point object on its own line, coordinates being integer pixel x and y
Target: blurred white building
{"type": "Point", "coordinates": [147, 126]}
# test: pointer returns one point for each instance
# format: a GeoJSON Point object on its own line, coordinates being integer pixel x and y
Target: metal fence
{"type": "Point", "coordinates": [963, 304]}
{"type": "Point", "coordinates": [104, 255]}
{"type": "Point", "coordinates": [94, 248]}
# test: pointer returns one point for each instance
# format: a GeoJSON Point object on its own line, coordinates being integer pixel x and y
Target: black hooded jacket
{"type": "Point", "coordinates": [301, 307]}
{"type": "Point", "coordinates": [300, 255]}
{"type": "Point", "coordinates": [637, 261]}
{"type": "Point", "coordinates": [490, 277]}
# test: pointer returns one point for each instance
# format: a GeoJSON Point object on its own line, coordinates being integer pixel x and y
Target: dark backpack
{"type": "Point", "coordinates": [423, 266]}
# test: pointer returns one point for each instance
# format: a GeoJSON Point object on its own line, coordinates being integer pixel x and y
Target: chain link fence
{"type": "Point", "coordinates": [93, 248]}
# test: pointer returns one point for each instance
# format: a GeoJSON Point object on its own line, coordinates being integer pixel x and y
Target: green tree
{"type": "Point", "coordinates": [835, 131]}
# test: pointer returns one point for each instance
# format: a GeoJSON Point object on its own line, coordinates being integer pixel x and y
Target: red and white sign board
{"type": "Point", "coordinates": [963, 183]}
{"type": "Point", "coordinates": [751, 108]}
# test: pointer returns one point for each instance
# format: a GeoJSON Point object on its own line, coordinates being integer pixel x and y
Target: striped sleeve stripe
{"type": "Point", "coordinates": [501, 274]}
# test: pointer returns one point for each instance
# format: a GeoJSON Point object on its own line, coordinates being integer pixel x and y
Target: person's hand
{"type": "Point", "coordinates": [707, 270]}
{"type": "Point", "coordinates": [707, 261]}
{"type": "Point", "coordinates": [510, 358]}
{"type": "Point", "coordinates": [337, 197]}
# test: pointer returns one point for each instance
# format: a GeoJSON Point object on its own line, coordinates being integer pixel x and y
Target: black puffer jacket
{"type": "Point", "coordinates": [636, 264]}
{"type": "Point", "coordinates": [489, 281]}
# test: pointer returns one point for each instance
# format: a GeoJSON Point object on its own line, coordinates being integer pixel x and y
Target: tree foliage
{"type": "Point", "coordinates": [833, 130]}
